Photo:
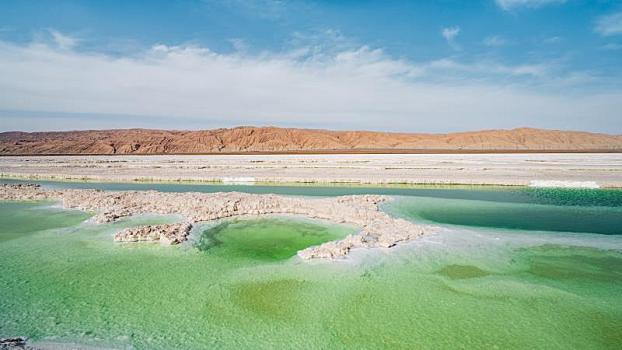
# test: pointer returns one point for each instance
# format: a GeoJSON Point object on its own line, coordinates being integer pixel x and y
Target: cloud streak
{"type": "Point", "coordinates": [357, 88]}
{"type": "Point", "coordinates": [509, 5]}
{"type": "Point", "coordinates": [63, 41]}
{"type": "Point", "coordinates": [494, 41]}
{"type": "Point", "coordinates": [450, 34]}
{"type": "Point", "coordinates": [609, 25]}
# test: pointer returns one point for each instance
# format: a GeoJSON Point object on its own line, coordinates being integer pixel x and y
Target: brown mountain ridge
{"type": "Point", "coordinates": [291, 140]}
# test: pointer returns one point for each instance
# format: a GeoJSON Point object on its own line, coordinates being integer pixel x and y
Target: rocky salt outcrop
{"type": "Point", "coordinates": [14, 343]}
{"type": "Point", "coordinates": [168, 234]}
{"type": "Point", "coordinates": [378, 234]}
{"type": "Point", "coordinates": [378, 229]}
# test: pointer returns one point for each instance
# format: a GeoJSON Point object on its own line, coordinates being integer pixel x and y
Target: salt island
{"type": "Point", "coordinates": [377, 228]}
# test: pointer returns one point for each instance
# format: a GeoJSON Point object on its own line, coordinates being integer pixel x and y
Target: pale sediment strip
{"type": "Point", "coordinates": [564, 184]}
{"type": "Point", "coordinates": [603, 169]}
{"type": "Point", "coordinates": [377, 229]}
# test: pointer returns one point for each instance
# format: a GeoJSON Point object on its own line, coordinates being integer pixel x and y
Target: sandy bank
{"type": "Point", "coordinates": [605, 170]}
{"type": "Point", "coordinates": [377, 228]}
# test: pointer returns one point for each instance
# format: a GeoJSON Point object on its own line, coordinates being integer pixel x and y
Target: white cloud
{"type": "Point", "coordinates": [609, 25]}
{"type": "Point", "coordinates": [483, 70]}
{"type": "Point", "coordinates": [450, 34]}
{"type": "Point", "coordinates": [612, 46]}
{"type": "Point", "coordinates": [63, 41]}
{"type": "Point", "coordinates": [552, 40]}
{"type": "Point", "coordinates": [494, 41]}
{"type": "Point", "coordinates": [239, 44]}
{"type": "Point", "coordinates": [359, 88]}
{"type": "Point", "coordinates": [513, 4]}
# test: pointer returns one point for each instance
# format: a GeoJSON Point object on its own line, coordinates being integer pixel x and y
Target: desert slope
{"type": "Point", "coordinates": [272, 139]}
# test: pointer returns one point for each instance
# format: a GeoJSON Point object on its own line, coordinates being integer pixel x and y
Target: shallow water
{"type": "Point", "coordinates": [533, 217]}
{"type": "Point", "coordinates": [275, 239]}
{"type": "Point", "coordinates": [504, 194]}
{"type": "Point", "coordinates": [525, 208]}
{"type": "Point", "coordinates": [242, 287]}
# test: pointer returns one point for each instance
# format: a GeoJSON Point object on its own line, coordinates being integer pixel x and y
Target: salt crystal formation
{"type": "Point", "coordinates": [378, 229]}
{"type": "Point", "coordinates": [166, 234]}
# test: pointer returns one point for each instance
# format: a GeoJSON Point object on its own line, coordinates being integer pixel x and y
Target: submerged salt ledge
{"type": "Point", "coordinates": [378, 229]}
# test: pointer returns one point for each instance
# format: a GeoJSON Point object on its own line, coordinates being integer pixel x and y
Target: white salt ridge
{"type": "Point", "coordinates": [563, 184]}
{"type": "Point", "coordinates": [377, 229]}
{"type": "Point", "coordinates": [463, 169]}
{"type": "Point", "coordinates": [238, 180]}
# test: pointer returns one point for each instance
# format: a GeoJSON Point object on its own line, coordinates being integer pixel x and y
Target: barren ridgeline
{"type": "Point", "coordinates": [377, 229]}
{"type": "Point", "coordinates": [290, 140]}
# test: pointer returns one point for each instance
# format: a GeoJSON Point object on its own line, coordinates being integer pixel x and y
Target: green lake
{"type": "Point", "coordinates": [508, 268]}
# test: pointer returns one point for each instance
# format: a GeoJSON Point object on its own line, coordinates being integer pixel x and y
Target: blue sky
{"type": "Point", "coordinates": [420, 66]}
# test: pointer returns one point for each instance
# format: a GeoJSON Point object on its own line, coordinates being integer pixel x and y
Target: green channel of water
{"type": "Point", "coordinates": [504, 194]}
{"type": "Point", "coordinates": [532, 217]}
{"type": "Point", "coordinates": [524, 208]}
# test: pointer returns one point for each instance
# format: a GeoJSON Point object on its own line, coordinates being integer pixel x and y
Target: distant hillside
{"type": "Point", "coordinates": [272, 139]}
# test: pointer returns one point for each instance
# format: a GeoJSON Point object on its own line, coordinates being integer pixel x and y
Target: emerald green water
{"type": "Point", "coordinates": [266, 240]}
{"type": "Point", "coordinates": [540, 284]}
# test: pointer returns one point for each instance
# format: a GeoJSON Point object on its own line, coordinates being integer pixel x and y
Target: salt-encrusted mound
{"type": "Point", "coordinates": [166, 234]}
{"type": "Point", "coordinates": [378, 229]}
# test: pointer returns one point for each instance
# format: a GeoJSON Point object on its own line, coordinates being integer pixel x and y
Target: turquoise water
{"type": "Point", "coordinates": [505, 194]}
{"type": "Point", "coordinates": [534, 209]}
{"type": "Point", "coordinates": [533, 271]}
{"type": "Point", "coordinates": [531, 217]}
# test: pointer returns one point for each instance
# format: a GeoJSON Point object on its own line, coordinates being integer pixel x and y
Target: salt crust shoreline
{"type": "Point", "coordinates": [603, 170]}
{"type": "Point", "coordinates": [377, 229]}
{"type": "Point", "coordinates": [282, 182]}
{"type": "Point", "coordinates": [297, 182]}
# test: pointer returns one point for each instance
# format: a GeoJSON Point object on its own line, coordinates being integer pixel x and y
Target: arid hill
{"type": "Point", "coordinates": [272, 139]}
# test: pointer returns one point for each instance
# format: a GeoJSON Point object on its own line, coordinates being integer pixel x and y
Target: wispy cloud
{"type": "Point", "coordinates": [609, 25]}
{"type": "Point", "coordinates": [450, 34]}
{"type": "Point", "coordinates": [482, 70]}
{"type": "Point", "coordinates": [494, 41]}
{"type": "Point", "coordinates": [265, 9]}
{"type": "Point", "coordinates": [508, 5]}
{"type": "Point", "coordinates": [239, 45]}
{"type": "Point", "coordinates": [320, 43]}
{"type": "Point", "coordinates": [612, 46]}
{"type": "Point", "coordinates": [552, 40]}
{"type": "Point", "coordinates": [359, 87]}
{"type": "Point", "coordinates": [6, 29]}
{"type": "Point", "coordinates": [63, 41]}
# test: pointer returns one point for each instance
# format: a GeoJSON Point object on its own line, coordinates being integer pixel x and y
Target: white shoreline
{"type": "Point", "coordinates": [564, 184]}
{"type": "Point", "coordinates": [603, 170]}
